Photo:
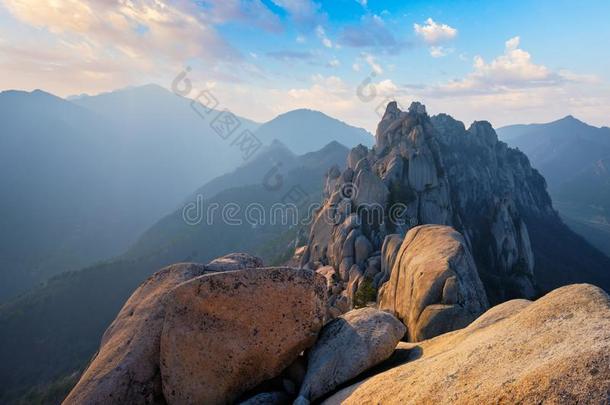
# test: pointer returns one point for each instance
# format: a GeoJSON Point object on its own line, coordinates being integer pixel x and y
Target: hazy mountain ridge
{"type": "Point", "coordinates": [573, 157]}
{"type": "Point", "coordinates": [46, 208]}
{"type": "Point", "coordinates": [106, 167]}
{"type": "Point", "coordinates": [319, 130]}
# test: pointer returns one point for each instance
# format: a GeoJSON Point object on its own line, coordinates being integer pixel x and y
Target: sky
{"type": "Point", "coordinates": [503, 61]}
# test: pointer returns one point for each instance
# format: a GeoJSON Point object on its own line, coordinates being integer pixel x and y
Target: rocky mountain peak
{"type": "Point", "coordinates": [417, 108]}
{"type": "Point", "coordinates": [484, 132]}
{"type": "Point", "coordinates": [431, 170]}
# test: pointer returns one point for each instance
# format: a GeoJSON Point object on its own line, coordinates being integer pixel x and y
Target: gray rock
{"type": "Point", "coordinates": [329, 274]}
{"type": "Point", "coordinates": [389, 250]}
{"type": "Point", "coordinates": [342, 304]}
{"type": "Point", "coordinates": [378, 280]}
{"type": "Point", "coordinates": [333, 312]}
{"type": "Point", "coordinates": [348, 245]}
{"type": "Point", "coordinates": [371, 192]}
{"type": "Point", "coordinates": [332, 180]}
{"type": "Point", "coordinates": [348, 346]}
{"type": "Point", "coordinates": [417, 108]}
{"type": "Point", "coordinates": [348, 175]}
{"type": "Point", "coordinates": [434, 286]}
{"type": "Point", "coordinates": [363, 249]}
{"type": "Point", "coordinates": [344, 267]}
{"type": "Point", "coordinates": [422, 172]}
{"type": "Point", "coordinates": [372, 266]}
{"type": "Point", "coordinates": [392, 170]}
{"type": "Point", "coordinates": [355, 155]}
{"type": "Point", "coordinates": [268, 398]}
{"type": "Point", "coordinates": [336, 289]}
{"type": "Point", "coordinates": [355, 276]}
{"type": "Point", "coordinates": [362, 165]}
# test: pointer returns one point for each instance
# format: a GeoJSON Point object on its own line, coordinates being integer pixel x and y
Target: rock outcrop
{"type": "Point", "coordinates": [225, 333]}
{"type": "Point", "coordinates": [347, 346]}
{"type": "Point", "coordinates": [126, 368]}
{"type": "Point", "coordinates": [234, 261]}
{"type": "Point", "coordinates": [389, 251]}
{"type": "Point", "coordinates": [431, 170]}
{"type": "Point", "coordinates": [434, 286]}
{"type": "Point", "coordinates": [553, 350]}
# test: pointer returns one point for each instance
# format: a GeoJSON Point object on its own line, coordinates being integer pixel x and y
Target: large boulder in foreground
{"type": "Point", "coordinates": [555, 350]}
{"type": "Point", "coordinates": [347, 346]}
{"type": "Point", "coordinates": [225, 333]}
{"type": "Point", "coordinates": [434, 286]}
{"type": "Point", "coordinates": [126, 368]}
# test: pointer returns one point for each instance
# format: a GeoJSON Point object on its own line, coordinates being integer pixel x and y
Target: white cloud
{"type": "Point", "coordinates": [134, 29]}
{"type": "Point", "coordinates": [372, 62]}
{"type": "Point", "coordinates": [439, 51]}
{"type": "Point", "coordinates": [434, 33]}
{"type": "Point", "coordinates": [97, 45]}
{"type": "Point", "coordinates": [513, 43]}
{"type": "Point", "coordinates": [321, 33]}
{"type": "Point", "coordinates": [300, 39]}
{"type": "Point", "coordinates": [356, 67]}
{"type": "Point", "coordinates": [513, 69]}
{"type": "Point", "coordinates": [386, 88]}
{"type": "Point", "coordinates": [333, 96]}
{"type": "Point", "coordinates": [512, 88]}
{"type": "Point", "coordinates": [75, 46]}
{"type": "Point", "coordinates": [329, 94]}
{"type": "Point", "coordinates": [334, 63]}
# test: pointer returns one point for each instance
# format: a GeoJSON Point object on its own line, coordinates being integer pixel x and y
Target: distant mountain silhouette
{"type": "Point", "coordinates": [574, 157]}
{"type": "Point", "coordinates": [305, 130]}
{"type": "Point", "coordinates": [84, 177]}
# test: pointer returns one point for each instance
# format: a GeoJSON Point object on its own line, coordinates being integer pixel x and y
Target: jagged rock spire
{"type": "Point", "coordinates": [442, 174]}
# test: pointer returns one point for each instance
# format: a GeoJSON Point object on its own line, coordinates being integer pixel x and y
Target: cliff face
{"type": "Point", "coordinates": [432, 170]}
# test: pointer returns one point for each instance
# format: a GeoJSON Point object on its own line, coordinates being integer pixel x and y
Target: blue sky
{"type": "Point", "coordinates": [503, 61]}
